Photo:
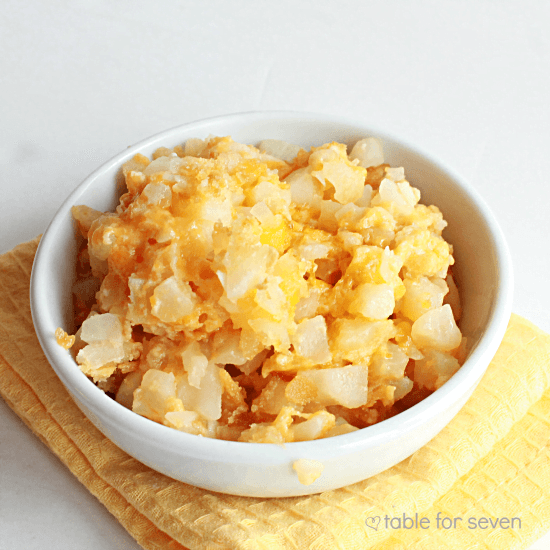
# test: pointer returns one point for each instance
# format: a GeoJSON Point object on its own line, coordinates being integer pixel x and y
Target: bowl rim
{"type": "Point", "coordinates": [467, 376]}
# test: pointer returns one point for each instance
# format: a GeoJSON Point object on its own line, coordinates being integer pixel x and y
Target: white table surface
{"type": "Point", "coordinates": [82, 80]}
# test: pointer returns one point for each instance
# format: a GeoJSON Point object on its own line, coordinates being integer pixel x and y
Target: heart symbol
{"type": "Point", "coordinates": [375, 520]}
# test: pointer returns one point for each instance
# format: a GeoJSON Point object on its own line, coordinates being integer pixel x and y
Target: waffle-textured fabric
{"type": "Point", "coordinates": [487, 472]}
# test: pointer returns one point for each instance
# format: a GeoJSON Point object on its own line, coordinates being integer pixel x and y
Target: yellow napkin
{"type": "Point", "coordinates": [490, 464]}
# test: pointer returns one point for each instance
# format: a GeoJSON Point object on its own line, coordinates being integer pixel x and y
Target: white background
{"type": "Point", "coordinates": [80, 81]}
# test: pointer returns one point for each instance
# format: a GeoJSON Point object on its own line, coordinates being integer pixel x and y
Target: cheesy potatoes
{"type": "Point", "coordinates": [265, 294]}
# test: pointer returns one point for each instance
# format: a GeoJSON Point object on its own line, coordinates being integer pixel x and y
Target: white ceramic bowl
{"type": "Point", "coordinates": [483, 271]}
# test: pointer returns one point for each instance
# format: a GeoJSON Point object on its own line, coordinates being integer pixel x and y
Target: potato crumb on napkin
{"type": "Point", "coordinates": [308, 470]}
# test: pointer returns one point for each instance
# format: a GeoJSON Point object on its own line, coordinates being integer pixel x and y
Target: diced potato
{"type": "Point", "coordinates": [453, 297]}
{"type": "Point", "coordinates": [125, 393]}
{"type": "Point", "coordinates": [395, 174]}
{"type": "Point", "coordinates": [206, 400]}
{"type": "Point", "coordinates": [437, 329]}
{"type": "Point", "coordinates": [399, 197]}
{"type": "Point", "coordinates": [389, 363]}
{"type": "Point", "coordinates": [354, 339]}
{"type": "Point", "coordinates": [262, 213]}
{"type": "Point", "coordinates": [194, 363]}
{"type": "Point", "coordinates": [421, 295]}
{"type": "Point", "coordinates": [156, 395]}
{"type": "Point", "coordinates": [246, 268]}
{"type": "Point", "coordinates": [434, 369]}
{"type": "Point", "coordinates": [277, 198]}
{"type": "Point", "coordinates": [227, 349]}
{"type": "Point", "coordinates": [98, 354]}
{"type": "Point", "coordinates": [253, 364]}
{"type": "Point", "coordinates": [313, 428]}
{"type": "Point", "coordinates": [350, 240]}
{"type": "Point", "coordinates": [163, 164]}
{"type": "Point", "coordinates": [304, 189]}
{"type": "Point", "coordinates": [348, 181]}
{"type": "Point", "coordinates": [366, 197]}
{"type": "Point", "coordinates": [301, 390]}
{"type": "Point", "coordinates": [310, 340]}
{"type": "Point", "coordinates": [327, 219]}
{"type": "Point", "coordinates": [84, 217]}
{"type": "Point", "coordinates": [368, 152]}
{"type": "Point", "coordinates": [349, 215]}
{"type": "Point", "coordinates": [402, 387]}
{"type": "Point", "coordinates": [186, 421]}
{"type": "Point", "coordinates": [172, 300]}
{"type": "Point", "coordinates": [273, 397]}
{"type": "Point", "coordinates": [340, 427]}
{"type": "Point", "coordinates": [307, 307]}
{"type": "Point", "coordinates": [217, 209]}
{"type": "Point", "coordinates": [314, 250]}
{"type": "Point", "coordinates": [262, 433]}
{"type": "Point", "coordinates": [105, 348]}
{"type": "Point", "coordinates": [347, 386]}
{"type": "Point", "coordinates": [374, 301]}
{"type": "Point", "coordinates": [279, 149]}
{"type": "Point", "coordinates": [105, 327]}
{"type": "Point", "coordinates": [194, 147]}
{"type": "Point", "coordinates": [136, 164]}
{"type": "Point", "coordinates": [158, 194]}
{"type": "Point", "coordinates": [271, 333]}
